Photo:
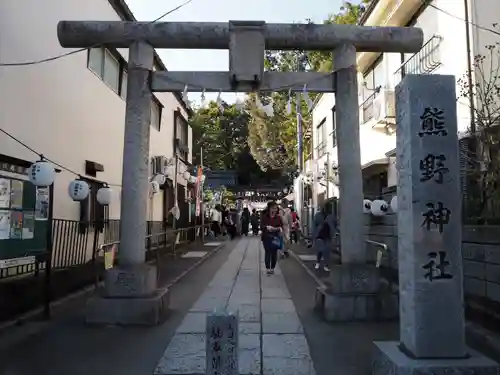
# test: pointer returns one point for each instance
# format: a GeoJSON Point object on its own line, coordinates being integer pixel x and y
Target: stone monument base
{"type": "Point", "coordinates": [355, 293]}
{"type": "Point", "coordinates": [389, 359]}
{"type": "Point", "coordinates": [130, 297]}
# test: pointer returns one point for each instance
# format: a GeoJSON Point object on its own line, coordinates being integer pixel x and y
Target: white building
{"type": "Point", "coordinates": [446, 48]}
{"type": "Point", "coordinates": [72, 110]}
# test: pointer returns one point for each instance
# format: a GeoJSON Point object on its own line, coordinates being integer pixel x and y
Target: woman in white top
{"type": "Point", "coordinates": [286, 219]}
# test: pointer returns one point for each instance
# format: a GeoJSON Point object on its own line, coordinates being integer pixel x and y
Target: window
{"type": "Point", "coordinates": [321, 144]}
{"type": "Point", "coordinates": [333, 134]}
{"type": "Point", "coordinates": [109, 66]}
{"type": "Point", "coordinates": [111, 71]}
{"type": "Point", "coordinates": [181, 133]}
{"type": "Point", "coordinates": [156, 114]}
{"type": "Point", "coordinates": [374, 77]}
{"type": "Point", "coordinates": [96, 61]}
{"type": "Point", "coordinates": [123, 89]}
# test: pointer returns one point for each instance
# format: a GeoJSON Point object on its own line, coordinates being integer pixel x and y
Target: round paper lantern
{"type": "Point", "coordinates": [192, 179]}
{"type": "Point", "coordinates": [176, 212]}
{"type": "Point", "coordinates": [367, 206]}
{"type": "Point", "coordinates": [78, 190]}
{"type": "Point", "coordinates": [42, 173]}
{"type": "Point", "coordinates": [155, 187]}
{"type": "Point", "coordinates": [186, 175]}
{"type": "Point", "coordinates": [379, 207]}
{"type": "Point", "coordinates": [394, 203]}
{"type": "Point", "coordinates": [104, 196]}
{"type": "Point", "coordinates": [160, 179]}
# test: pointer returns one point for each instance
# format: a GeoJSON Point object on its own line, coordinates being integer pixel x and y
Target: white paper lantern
{"type": "Point", "coordinates": [78, 190]}
{"type": "Point", "coordinates": [42, 173]}
{"type": "Point", "coordinates": [367, 206]}
{"type": "Point", "coordinates": [192, 179]}
{"type": "Point", "coordinates": [155, 187]}
{"type": "Point", "coordinates": [186, 175]}
{"type": "Point", "coordinates": [379, 207]}
{"type": "Point", "coordinates": [104, 196]}
{"type": "Point", "coordinates": [160, 179]}
{"type": "Point", "coordinates": [394, 203]}
{"type": "Point", "coordinates": [176, 212]}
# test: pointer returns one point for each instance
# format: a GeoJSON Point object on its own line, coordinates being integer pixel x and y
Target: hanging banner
{"type": "Point", "coordinates": [109, 257]}
{"type": "Point", "coordinates": [198, 190]}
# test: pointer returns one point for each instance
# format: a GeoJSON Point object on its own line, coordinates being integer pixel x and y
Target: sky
{"type": "Point", "coordinates": [272, 11]}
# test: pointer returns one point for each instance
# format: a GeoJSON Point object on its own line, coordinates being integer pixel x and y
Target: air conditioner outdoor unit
{"type": "Point", "coordinates": [159, 165]}
{"type": "Point", "coordinates": [384, 108]}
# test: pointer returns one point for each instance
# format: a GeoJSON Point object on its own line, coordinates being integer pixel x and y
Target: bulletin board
{"type": "Point", "coordinates": [24, 218]}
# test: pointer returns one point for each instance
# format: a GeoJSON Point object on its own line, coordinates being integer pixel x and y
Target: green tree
{"type": "Point", "coordinates": [350, 14]}
{"type": "Point", "coordinates": [273, 140]}
{"type": "Point", "coordinates": [221, 131]}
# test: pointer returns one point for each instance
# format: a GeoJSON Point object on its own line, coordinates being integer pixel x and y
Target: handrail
{"type": "Point", "coordinates": [382, 248]}
{"type": "Point", "coordinates": [424, 61]}
{"type": "Point", "coordinates": [379, 244]}
{"type": "Point", "coordinates": [171, 231]}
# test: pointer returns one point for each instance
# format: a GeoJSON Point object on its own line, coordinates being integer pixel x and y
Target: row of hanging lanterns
{"type": "Point", "coordinates": [379, 207]}
{"type": "Point", "coordinates": [42, 174]}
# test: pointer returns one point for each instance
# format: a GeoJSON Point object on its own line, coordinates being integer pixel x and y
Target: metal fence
{"type": "Point", "coordinates": [77, 261]}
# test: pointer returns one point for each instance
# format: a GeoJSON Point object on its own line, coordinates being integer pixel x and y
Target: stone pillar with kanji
{"type": "Point", "coordinates": [432, 332]}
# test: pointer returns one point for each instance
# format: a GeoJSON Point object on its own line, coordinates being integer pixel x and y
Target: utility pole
{"type": "Point", "coordinates": [300, 143]}
{"type": "Point", "coordinates": [327, 175]}
{"type": "Point", "coordinates": [300, 136]}
{"type": "Point", "coordinates": [176, 206]}
{"type": "Point", "coordinates": [202, 199]}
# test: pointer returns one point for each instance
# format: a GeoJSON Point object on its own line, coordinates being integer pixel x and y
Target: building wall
{"type": "Point", "coordinates": [481, 264]}
{"type": "Point", "coordinates": [61, 108]}
{"type": "Point", "coordinates": [486, 13]}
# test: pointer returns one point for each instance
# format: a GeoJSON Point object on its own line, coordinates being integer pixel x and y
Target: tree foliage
{"type": "Point", "coordinates": [349, 14]}
{"type": "Point", "coordinates": [483, 167]}
{"type": "Point", "coordinates": [261, 148]}
{"type": "Point", "coordinates": [273, 140]}
{"type": "Point", "coordinates": [222, 133]}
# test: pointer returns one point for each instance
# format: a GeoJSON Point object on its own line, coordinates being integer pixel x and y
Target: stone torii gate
{"type": "Point", "coordinates": [131, 295]}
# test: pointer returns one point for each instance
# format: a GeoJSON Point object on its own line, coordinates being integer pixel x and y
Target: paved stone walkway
{"type": "Point", "coordinates": [271, 338]}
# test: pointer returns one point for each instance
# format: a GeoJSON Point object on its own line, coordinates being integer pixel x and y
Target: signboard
{"type": "Point", "coordinates": [23, 217]}
{"type": "Point", "coordinates": [14, 262]}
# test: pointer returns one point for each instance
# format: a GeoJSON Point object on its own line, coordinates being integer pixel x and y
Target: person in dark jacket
{"type": "Point", "coordinates": [245, 221]}
{"type": "Point", "coordinates": [325, 228]}
{"type": "Point", "coordinates": [254, 220]}
{"type": "Point", "coordinates": [271, 226]}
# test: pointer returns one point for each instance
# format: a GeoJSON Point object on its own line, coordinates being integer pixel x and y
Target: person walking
{"type": "Point", "coordinates": [287, 226]}
{"type": "Point", "coordinates": [245, 221]}
{"type": "Point", "coordinates": [254, 220]}
{"type": "Point", "coordinates": [271, 226]}
{"type": "Point", "coordinates": [325, 227]}
{"type": "Point", "coordinates": [294, 233]}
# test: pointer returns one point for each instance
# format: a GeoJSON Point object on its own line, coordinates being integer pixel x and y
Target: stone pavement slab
{"type": "Point", "coordinates": [271, 337]}
{"type": "Point", "coordinates": [64, 345]}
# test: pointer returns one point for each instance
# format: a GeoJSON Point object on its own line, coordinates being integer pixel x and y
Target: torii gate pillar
{"type": "Point", "coordinates": [131, 294]}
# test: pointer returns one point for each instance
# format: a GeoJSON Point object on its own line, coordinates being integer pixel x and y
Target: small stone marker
{"type": "Point", "coordinates": [222, 344]}
{"type": "Point", "coordinates": [429, 218]}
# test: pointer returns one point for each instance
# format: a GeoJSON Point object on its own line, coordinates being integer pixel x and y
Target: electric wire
{"type": "Point", "coordinates": [43, 157]}
{"type": "Point", "coordinates": [57, 57]}
{"type": "Point", "coordinates": [66, 54]}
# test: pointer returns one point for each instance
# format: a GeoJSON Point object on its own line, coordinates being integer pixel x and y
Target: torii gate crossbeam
{"type": "Point", "coordinates": [247, 42]}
